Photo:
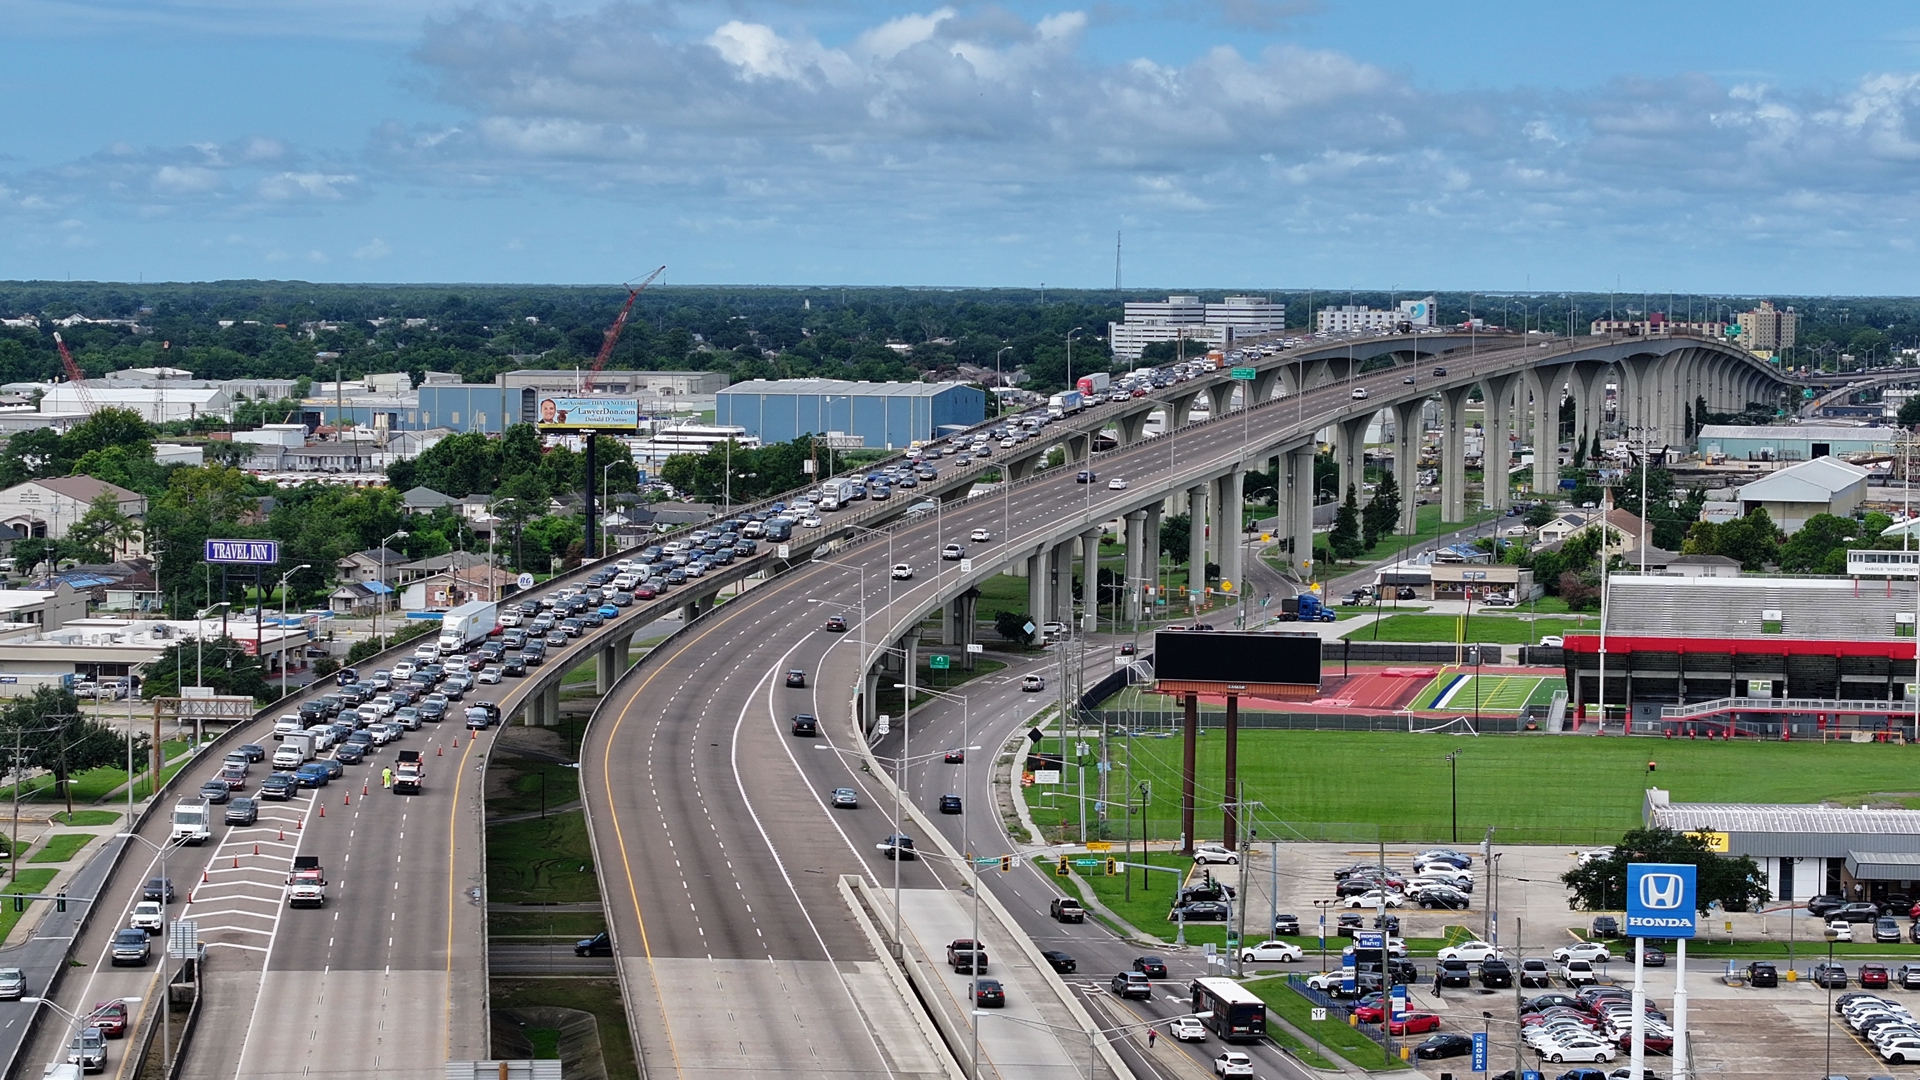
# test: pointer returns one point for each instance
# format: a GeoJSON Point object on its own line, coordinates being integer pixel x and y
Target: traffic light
{"type": "Point", "coordinates": [1060, 869]}
{"type": "Point", "coordinates": [60, 901]}
{"type": "Point", "coordinates": [1113, 866]}
{"type": "Point", "coordinates": [1006, 864]}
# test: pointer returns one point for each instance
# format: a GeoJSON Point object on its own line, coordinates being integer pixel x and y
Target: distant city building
{"type": "Point", "coordinates": [1766, 329]}
{"type": "Point", "coordinates": [1188, 318]}
{"type": "Point", "coordinates": [1347, 317]}
{"type": "Point", "coordinates": [1656, 323]}
{"type": "Point", "coordinates": [512, 398]}
{"type": "Point", "coordinates": [668, 440]}
{"type": "Point", "coordinates": [879, 414]}
{"type": "Point", "coordinates": [156, 405]}
{"type": "Point", "coordinates": [50, 506]}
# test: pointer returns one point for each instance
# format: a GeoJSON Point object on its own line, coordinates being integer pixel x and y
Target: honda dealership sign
{"type": "Point", "coordinates": [1660, 900]}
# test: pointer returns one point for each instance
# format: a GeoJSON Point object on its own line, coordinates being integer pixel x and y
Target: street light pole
{"type": "Point", "coordinates": [380, 601]}
{"type": "Point", "coordinates": [283, 640]}
{"type": "Point", "coordinates": [1070, 383]}
{"type": "Point", "coordinates": [1453, 765]}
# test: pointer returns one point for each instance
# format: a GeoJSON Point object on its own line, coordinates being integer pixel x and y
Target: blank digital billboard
{"type": "Point", "coordinates": [1236, 659]}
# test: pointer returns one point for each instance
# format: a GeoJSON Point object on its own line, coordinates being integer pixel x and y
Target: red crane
{"type": "Point", "coordinates": [613, 332]}
{"type": "Point", "coordinates": [79, 378]}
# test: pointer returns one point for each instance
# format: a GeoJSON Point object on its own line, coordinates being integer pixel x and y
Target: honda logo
{"type": "Point", "coordinates": [1662, 892]}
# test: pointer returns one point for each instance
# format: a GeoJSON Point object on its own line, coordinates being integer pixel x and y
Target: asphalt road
{"type": "Point", "coordinates": [712, 831]}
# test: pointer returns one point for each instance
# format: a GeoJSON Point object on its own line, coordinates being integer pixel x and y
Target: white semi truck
{"type": "Point", "coordinates": [467, 624]}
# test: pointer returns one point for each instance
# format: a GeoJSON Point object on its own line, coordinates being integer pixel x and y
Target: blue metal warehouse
{"type": "Point", "coordinates": [884, 415]}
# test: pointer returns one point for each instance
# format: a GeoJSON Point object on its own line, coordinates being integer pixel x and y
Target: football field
{"type": "Point", "coordinates": [1454, 690]}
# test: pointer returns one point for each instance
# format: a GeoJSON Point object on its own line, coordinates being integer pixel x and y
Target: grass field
{"type": "Point", "coordinates": [1354, 786]}
{"type": "Point", "coordinates": [60, 847]}
{"type": "Point", "coordinates": [27, 881]}
{"type": "Point", "coordinates": [601, 997]}
{"type": "Point", "coordinates": [1491, 629]}
{"type": "Point", "coordinates": [542, 861]}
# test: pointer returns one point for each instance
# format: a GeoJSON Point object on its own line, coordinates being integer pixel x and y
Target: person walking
{"type": "Point", "coordinates": [1151, 1036]}
{"type": "Point", "coordinates": [386, 778]}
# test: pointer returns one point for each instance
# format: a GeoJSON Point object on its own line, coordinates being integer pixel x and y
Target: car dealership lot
{"type": "Point", "coordinates": [1736, 1030]}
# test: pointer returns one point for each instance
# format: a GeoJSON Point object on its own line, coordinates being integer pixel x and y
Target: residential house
{"type": "Point", "coordinates": [425, 500]}
{"type": "Point", "coordinates": [376, 564]}
{"type": "Point", "coordinates": [1562, 527]}
{"type": "Point", "coordinates": [1825, 485]}
{"type": "Point", "coordinates": [361, 598]}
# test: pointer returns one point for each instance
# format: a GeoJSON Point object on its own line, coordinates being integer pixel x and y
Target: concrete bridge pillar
{"type": "Point", "coordinates": [868, 707]}
{"type": "Point", "coordinates": [1020, 468]}
{"type": "Point", "coordinates": [1090, 578]}
{"type": "Point", "coordinates": [1039, 590]}
{"type": "Point", "coordinates": [1220, 397]}
{"type": "Point", "coordinates": [1453, 453]}
{"type": "Point", "coordinates": [1589, 391]}
{"type": "Point", "coordinates": [1264, 382]}
{"type": "Point", "coordinates": [1547, 385]}
{"type": "Point", "coordinates": [1232, 528]}
{"type": "Point", "coordinates": [966, 609]}
{"type": "Point", "coordinates": [1060, 579]}
{"type": "Point", "coordinates": [1135, 542]}
{"type": "Point", "coordinates": [1496, 461]}
{"type": "Point", "coordinates": [1078, 446]}
{"type": "Point", "coordinates": [1350, 453]}
{"type": "Point", "coordinates": [1296, 479]}
{"type": "Point", "coordinates": [1406, 462]}
{"type": "Point", "coordinates": [1179, 408]}
{"type": "Point", "coordinates": [1132, 427]}
{"type": "Point", "coordinates": [1150, 553]}
{"type": "Point", "coordinates": [1197, 542]}
{"type": "Point", "coordinates": [606, 668]}
{"type": "Point", "coordinates": [550, 705]}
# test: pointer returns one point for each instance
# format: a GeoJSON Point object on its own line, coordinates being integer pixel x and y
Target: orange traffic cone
{"type": "Point", "coordinates": [256, 848]}
{"type": "Point", "coordinates": [283, 831]}
{"type": "Point", "coordinates": [236, 862]}
{"type": "Point", "coordinates": [363, 787]}
{"type": "Point", "coordinates": [323, 809]}
{"type": "Point", "coordinates": [439, 751]}
{"type": "Point", "coordinates": [203, 876]}
{"type": "Point", "coordinates": [297, 823]}
{"type": "Point", "coordinates": [349, 801]}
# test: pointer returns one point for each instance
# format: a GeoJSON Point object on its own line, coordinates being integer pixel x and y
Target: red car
{"type": "Point", "coordinates": [1414, 1023]}
{"type": "Point", "coordinates": [836, 624]}
{"type": "Point", "coordinates": [110, 1017]}
{"type": "Point", "coordinates": [1874, 977]}
{"type": "Point", "coordinates": [1656, 1043]}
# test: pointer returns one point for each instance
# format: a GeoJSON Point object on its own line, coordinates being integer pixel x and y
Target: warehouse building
{"type": "Point", "coordinates": [1857, 852]}
{"type": "Point", "coordinates": [513, 396]}
{"type": "Point", "coordinates": [880, 415]}
{"type": "Point", "coordinates": [1793, 442]}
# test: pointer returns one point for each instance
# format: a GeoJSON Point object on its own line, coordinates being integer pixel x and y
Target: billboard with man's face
{"type": "Point", "coordinates": [589, 413]}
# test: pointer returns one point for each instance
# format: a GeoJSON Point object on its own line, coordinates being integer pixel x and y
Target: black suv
{"type": "Point", "coordinates": [1761, 973]}
{"type": "Point", "coordinates": [1286, 924]}
{"type": "Point", "coordinates": [806, 725]}
{"type": "Point", "coordinates": [1606, 926]}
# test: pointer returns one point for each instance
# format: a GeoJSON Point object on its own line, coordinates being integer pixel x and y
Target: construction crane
{"type": "Point", "coordinates": [613, 332]}
{"type": "Point", "coordinates": [77, 377]}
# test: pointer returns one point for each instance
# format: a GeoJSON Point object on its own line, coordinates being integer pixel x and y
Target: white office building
{"type": "Point", "coordinates": [1208, 326]}
{"type": "Point", "coordinates": [1347, 317]}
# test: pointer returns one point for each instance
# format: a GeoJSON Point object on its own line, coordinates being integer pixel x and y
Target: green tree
{"type": "Point", "coordinates": [521, 499]}
{"type": "Point", "coordinates": [1382, 516]}
{"type": "Point", "coordinates": [1011, 625]}
{"type": "Point", "coordinates": [1910, 413]}
{"type": "Point", "coordinates": [1538, 514]}
{"type": "Point", "coordinates": [1820, 547]}
{"type": "Point", "coordinates": [1753, 539]}
{"type": "Point", "coordinates": [1176, 532]}
{"type": "Point", "coordinates": [1734, 882]}
{"type": "Point", "coordinates": [1345, 540]}
{"type": "Point", "coordinates": [220, 663]}
{"type": "Point", "coordinates": [105, 531]}
{"type": "Point", "coordinates": [55, 736]}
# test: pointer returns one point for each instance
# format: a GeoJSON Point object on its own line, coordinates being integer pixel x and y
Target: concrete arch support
{"type": "Point", "coordinates": [1453, 452]}
{"type": "Point", "coordinates": [1548, 383]}
{"type": "Point", "coordinates": [1406, 462]}
{"type": "Point", "coordinates": [1197, 540]}
{"type": "Point", "coordinates": [1297, 474]}
{"type": "Point", "coordinates": [1229, 526]}
{"type": "Point", "coordinates": [1497, 458]}
{"type": "Point", "coordinates": [1038, 594]}
{"type": "Point", "coordinates": [1090, 577]}
{"type": "Point", "coordinates": [1350, 452]}
{"type": "Point", "coordinates": [1135, 541]}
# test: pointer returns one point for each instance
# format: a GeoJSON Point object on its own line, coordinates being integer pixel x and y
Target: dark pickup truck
{"type": "Point", "coordinates": [967, 955]}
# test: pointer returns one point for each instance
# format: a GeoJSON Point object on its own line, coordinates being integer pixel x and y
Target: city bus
{"type": "Point", "coordinates": [1236, 1014]}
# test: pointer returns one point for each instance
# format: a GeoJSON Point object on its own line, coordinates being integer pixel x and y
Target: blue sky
{"type": "Point", "coordinates": [1698, 147]}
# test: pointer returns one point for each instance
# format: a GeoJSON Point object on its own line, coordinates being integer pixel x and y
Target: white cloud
{"type": "Point", "coordinates": [373, 249]}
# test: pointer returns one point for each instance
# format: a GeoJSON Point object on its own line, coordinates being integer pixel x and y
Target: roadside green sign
{"type": "Point", "coordinates": [1244, 374]}
{"type": "Point", "coordinates": [1086, 862]}
{"type": "Point", "coordinates": [939, 662]}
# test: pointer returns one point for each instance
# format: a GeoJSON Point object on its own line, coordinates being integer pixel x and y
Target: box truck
{"type": "Point", "coordinates": [1092, 386]}
{"type": "Point", "coordinates": [1066, 403]}
{"type": "Point", "coordinates": [467, 625]}
{"type": "Point", "coordinates": [192, 821]}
